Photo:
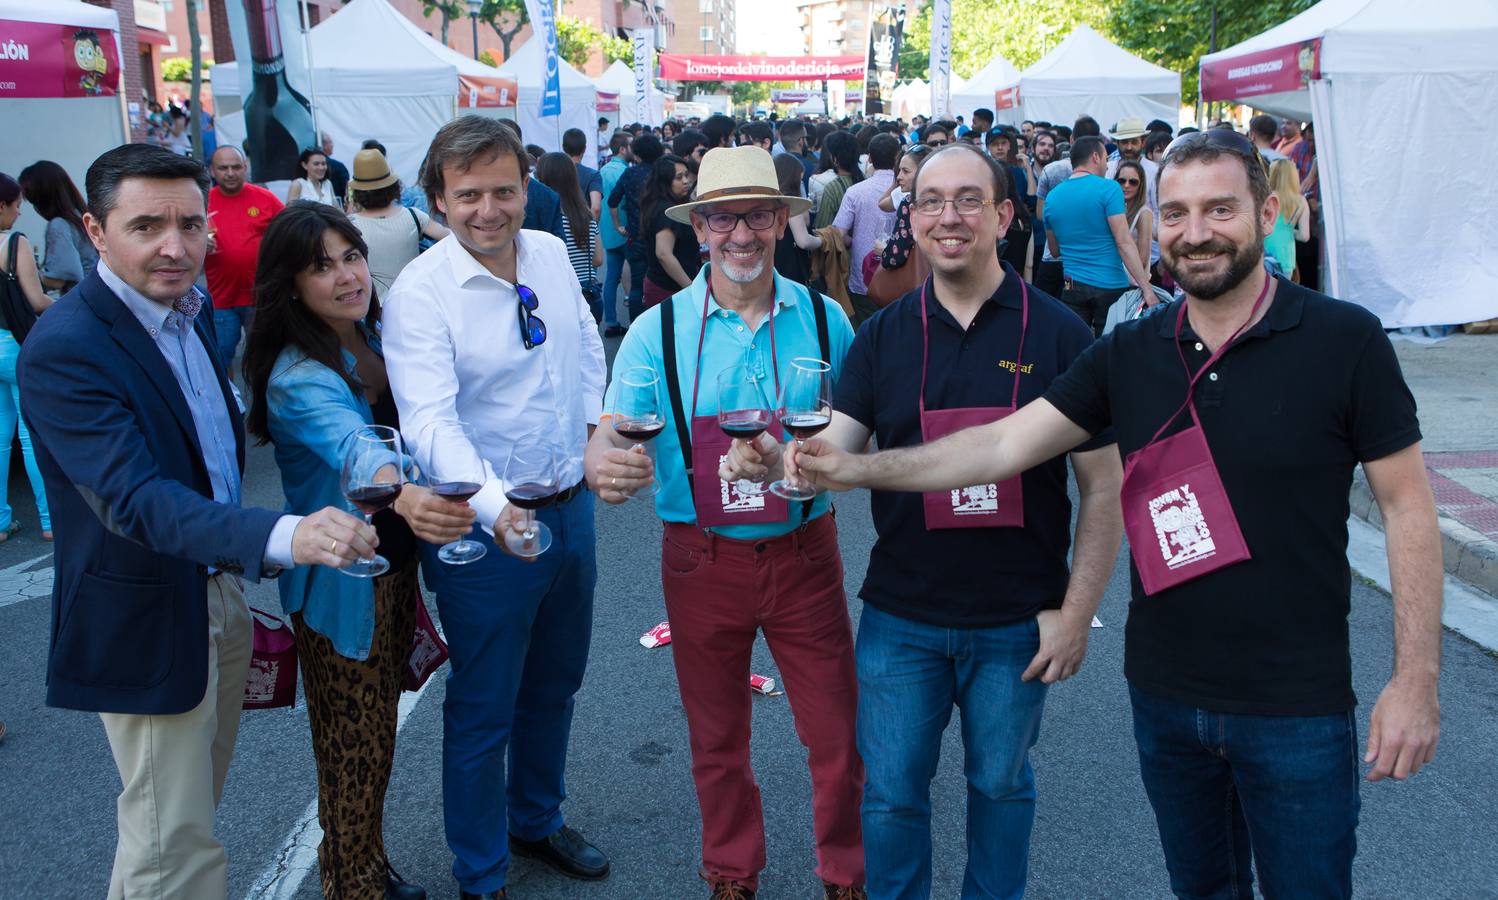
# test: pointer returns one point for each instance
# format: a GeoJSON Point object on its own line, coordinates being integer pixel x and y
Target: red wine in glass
{"type": "Point", "coordinates": [805, 425]}
{"type": "Point", "coordinates": [456, 491]}
{"type": "Point", "coordinates": [805, 409]}
{"type": "Point", "coordinates": [639, 430]}
{"type": "Point", "coordinates": [371, 498]}
{"type": "Point", "coordinates": [531, 496]}
{"type": "Point", "coordinates": [638, 412]}
{"type": "Point", "coordinates": [744, 424]}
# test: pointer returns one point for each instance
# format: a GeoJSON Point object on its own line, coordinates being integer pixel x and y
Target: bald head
{"type": "Point", "coordinates": [229, 169]}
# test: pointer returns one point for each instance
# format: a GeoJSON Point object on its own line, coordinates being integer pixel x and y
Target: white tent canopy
{"type": "Point", "coordinates": [978, 92]}
{"type": "Point", "coordinates": [619, 78]}
{"type": "Point", "coordinates": [376, 75]}
{"type": "Point", "coordinates": [911, 99]}
{"type": "Point", "coordinates": [1415, 246]}
{"type": "Point", "coordinates": [579, 99]}
{"type": "Point", "coordinates": [1087, 73]}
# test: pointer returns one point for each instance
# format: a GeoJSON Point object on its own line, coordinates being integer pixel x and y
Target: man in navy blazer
{"type": "Point", "coordinates": [140, 442]}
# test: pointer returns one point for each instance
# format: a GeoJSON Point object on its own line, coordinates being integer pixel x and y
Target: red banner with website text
{"type": "Point", "coordinates": [1289, 68]}
{"type": "Point", "coordinates": [684, 67]}
{"type": "Point", "coordinates": [40, 59]}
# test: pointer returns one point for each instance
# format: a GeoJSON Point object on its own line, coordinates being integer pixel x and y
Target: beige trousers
{"type": "Point", "coordinates": [173, 769]}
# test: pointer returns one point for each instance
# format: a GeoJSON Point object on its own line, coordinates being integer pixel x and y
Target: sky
{"type": "Point", "coordinates": [772, 27]}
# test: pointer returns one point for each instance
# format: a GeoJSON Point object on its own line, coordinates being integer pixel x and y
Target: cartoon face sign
{"type": "Point", "coordinates": [89, 54]}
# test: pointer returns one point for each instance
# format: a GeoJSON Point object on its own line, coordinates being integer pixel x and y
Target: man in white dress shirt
{"type": "Point", "coordinates": [490, 328]}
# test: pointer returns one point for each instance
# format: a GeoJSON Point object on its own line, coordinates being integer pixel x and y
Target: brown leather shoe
{"type": "Point", "coordinates": [832, 891]}
{"type": "Point", "coordinates": [730, 890]}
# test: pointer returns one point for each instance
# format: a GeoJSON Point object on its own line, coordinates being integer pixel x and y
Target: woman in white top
{"type": "Point", "coordinates": [392, 232]}
{"type": "Point", "coordinates": [1137, 212]}
{"type": "Point", "coordinates": [314, 185]}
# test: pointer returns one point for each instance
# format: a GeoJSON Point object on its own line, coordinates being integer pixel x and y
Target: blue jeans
{"type": "Point", "coordinates": [11, 422]}
{"type": "Point", "coordinates": [635, 253]}
{"type": "Point", "coordinates": [518, 637]}
{"type": "Point", "coordinates": [227, 323]}
{"type": "Point", "coordinates": [909, 677]}
{"type": "Point", "coordinates": [613, 271]}
{"type": "Point", "coordinates": [1231, 789]}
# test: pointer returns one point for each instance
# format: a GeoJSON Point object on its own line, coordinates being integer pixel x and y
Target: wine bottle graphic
{"type": "Point", "coordinates": [278, 119]}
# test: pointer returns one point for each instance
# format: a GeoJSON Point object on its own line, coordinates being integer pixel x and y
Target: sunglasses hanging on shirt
{"type": "Point", "coordinates": [532, 328]}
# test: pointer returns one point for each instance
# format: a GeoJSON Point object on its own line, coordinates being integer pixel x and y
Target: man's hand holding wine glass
{"type": "Point", "coordinates": [332, 537]}
{"type": "Point", "coordinates": [616, 473]}
{"type": "Point", "coordinates": [824, 464]}
{"type": "Point", "coordinates": [755, 460]}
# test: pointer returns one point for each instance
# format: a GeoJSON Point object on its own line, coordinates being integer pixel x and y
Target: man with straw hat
{"type": "Point", "coordinates": [736, 559]}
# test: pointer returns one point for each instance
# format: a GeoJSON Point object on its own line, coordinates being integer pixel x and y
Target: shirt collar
{"type": "Point", "coordinates": [152, 315]}
{"type": "Point", "coordinates": [787, 293]}
{"type": "Point", "coordinates": [1008, 294]}
{"type": "Point", "coordinates": [467, 269]}
{"type": "Point", "coordinates": [1285, 309]}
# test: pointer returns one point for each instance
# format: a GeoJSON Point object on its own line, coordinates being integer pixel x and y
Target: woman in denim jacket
{"type": "Point", "coordinates": [317, 378]}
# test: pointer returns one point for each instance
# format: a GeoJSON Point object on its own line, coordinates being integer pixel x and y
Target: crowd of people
{"type": "Point", "coordinates": [997, 310]}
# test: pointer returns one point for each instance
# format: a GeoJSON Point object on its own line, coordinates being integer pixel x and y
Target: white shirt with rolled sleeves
{"type": "Point", "coordinates": [453, 351]}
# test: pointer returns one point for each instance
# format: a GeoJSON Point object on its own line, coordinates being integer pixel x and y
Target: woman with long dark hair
{"type": "Point", "coordinates": [674, 257]}
{"type": "Point", "coordinates": [317, 379]}
{"type": "Point", "coordinates": [18, 265]}
{"type": "Point", "coordinates": [842, 148]}
{"type": "Point", "coordinates": [901, 244]}
{"type": "Point", "coordinates": [792, 247]}
{"type": "Point", "coordinates": [1137, 212]}
{"type": "Point", "coordinates": [314, 183]}
{"type": "Point", "coordinates": [71, 256]}
{"type": "Point", "coordinates": [579, 229]}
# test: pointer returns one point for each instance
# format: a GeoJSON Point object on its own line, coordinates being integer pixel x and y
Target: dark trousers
{"type": "Point", "coordinates": [1233, 792]}
{"type": "Point", "coordinates": [1090, 302]}
{"type": "Point", "coordinates": [1048, 277]}
{"type": "Point", "coordinates": [351, 706]}
{"type": "Point", "coordinates": [863, 308]}
{"type": "Point", "coordinates": [719, 594]}
{"type": "Point", "coordinates": [517, 634]}
{"type": "Point", "coordinates": [635, 254]}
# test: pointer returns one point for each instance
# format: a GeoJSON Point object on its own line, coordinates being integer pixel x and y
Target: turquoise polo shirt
{"type": "Point", "coordinates": [728, 341]}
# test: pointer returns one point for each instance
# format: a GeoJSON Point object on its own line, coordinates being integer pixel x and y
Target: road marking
{"type": "Point", "coordinates": [283, 878]}
{"type": "Point", "coordinates": [17, 584]}
{"type": "Point", "coordinates": [1467, 611]}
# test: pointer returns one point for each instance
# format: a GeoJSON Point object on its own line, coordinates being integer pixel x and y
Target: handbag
{"type": "Point", "coordinates": [889, 285]}
{"type": "Point", "coordinates": [271, 682]}
{"type": "Point", "coordinates": [428, 650]}
{"type": "Point", "coordinates": [15, 309]}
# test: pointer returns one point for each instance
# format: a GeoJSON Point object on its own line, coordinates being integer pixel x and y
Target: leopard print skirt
{"type": "Point", "coordinates": [351, 705]}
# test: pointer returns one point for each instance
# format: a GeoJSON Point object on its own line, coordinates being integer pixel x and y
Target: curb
{"type": "Point", "coordinates": [1466, 554]}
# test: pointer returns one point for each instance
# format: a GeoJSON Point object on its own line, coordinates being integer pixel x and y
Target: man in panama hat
{"type": "Point", "coordinates": [736, 560]}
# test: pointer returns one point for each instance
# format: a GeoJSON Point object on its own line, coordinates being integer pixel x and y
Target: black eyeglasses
{"type": "Point", "coordinates": [532, 328]}
{"type": "Point", "coordinates": [725, 223]}
{"type": "Point", "coordinates": [1219, 138]}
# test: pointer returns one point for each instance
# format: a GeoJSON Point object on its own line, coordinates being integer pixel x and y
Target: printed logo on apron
{"type": "Point", "coordinates": [995, 505]}
{"type": "Point", "coordinates": [1176, 511]}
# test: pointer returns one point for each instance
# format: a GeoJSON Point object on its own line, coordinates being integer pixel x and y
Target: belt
{"type": "Point", "coordinates": [564, 496]}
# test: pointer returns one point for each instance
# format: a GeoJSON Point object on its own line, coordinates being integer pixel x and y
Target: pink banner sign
{"type": "Point", "coordinates": [1006, 98]}
{"type": "Point", "coordinates": [684, 67]}
{"type": "Point", "coordinates": [1289, 68]}
{"type": "Point", "coordinates": [39, 59]}
{"type": "Point", "coordinates": [779, 96]}
{"type": "Point", "coordinates": [608, 101]}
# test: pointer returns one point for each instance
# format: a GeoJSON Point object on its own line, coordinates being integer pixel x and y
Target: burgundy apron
{"type": "Point", "coordinates": [1175, 510]}
{"type": "Point", "coordinates": [716, 501]}
{"type": "Point", "coordinates": [998, 505]}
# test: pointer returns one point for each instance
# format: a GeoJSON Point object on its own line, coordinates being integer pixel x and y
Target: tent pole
{"type": "Point", "coordinates": [311, 70]}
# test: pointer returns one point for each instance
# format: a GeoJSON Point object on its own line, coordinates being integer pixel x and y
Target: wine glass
{"type": "Point", "coordinates": [455, 472]}
{"type": "Point", "coordinates": [532, 480]}
{"type": "Point", "coordinates": [371, 480]}
{"type": "Point", "coordinates": [744, 413]}
{"type": "Point", "coordinates": [805, 408]}
{"type": "Point", "coordinates": [638, 413]}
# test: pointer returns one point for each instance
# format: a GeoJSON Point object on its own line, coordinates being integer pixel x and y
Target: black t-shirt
{"type": "Point", "coordinates": [1309, 392]}
{"type": "Point", "coordinates": [685, 250]}
{"type": "Point", "coordinates": [963, 577]}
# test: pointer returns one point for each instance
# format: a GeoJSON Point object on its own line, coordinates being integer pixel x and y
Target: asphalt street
{"type": "Point", "coordinates": [630, 789]}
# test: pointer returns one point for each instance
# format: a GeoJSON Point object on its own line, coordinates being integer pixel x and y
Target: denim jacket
{"type": "Point", "coordinates": [312, 414]}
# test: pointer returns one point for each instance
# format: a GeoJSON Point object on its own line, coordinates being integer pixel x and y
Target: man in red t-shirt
{"type": "Point", "coordinates": [238, 213]}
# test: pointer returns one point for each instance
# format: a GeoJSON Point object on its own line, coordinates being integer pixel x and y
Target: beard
{"type": "Point", "coordinates": [740, 275]}
{"type": "Point", "coordinates": [1243, 259]}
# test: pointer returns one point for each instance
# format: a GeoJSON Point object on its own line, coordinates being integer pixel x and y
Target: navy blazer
{"type": "Point", "coordinates": [132, 508]}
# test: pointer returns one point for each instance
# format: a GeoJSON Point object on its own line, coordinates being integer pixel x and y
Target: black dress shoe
{"type": "Point", "coordinates": [491, 895]}
{"type": "Point", "coordinates": [614, 331]}
{"type": "Point", "coordinates": [566, 851]}
{"type": "Point", "coordinates": [398, 888]}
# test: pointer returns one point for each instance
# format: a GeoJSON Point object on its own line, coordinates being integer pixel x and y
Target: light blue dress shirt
{"type": "Point", "coordinates": [728, 342]}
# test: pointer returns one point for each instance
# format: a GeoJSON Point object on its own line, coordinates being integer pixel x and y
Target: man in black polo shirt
{"type": "Point", "coordinates": [968, 600]}
{"type": "Point", "coordinates": [1240, 676]}
{"type": "Point", "coordinates": [645, 149]}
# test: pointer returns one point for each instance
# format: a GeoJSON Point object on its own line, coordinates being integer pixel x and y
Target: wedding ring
{"type": "Point", "coordinates": [615, 482]}
{"type": "Point", "coordinates": [333, 548]}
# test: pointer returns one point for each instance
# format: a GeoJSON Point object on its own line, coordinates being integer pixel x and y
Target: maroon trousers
{"type": "Point", "coordinates": [719, 594]}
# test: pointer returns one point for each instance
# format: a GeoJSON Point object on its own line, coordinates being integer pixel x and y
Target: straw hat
{"type": "Point", "coordinates": [371, 171]}
{"type": "Point", "coordinates": [1132, 127]}
{"type": "Point", "coordinates": [736, 173]}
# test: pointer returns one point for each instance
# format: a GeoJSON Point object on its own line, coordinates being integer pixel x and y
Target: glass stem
{"type": "Point", "coordinates": [530, 526]}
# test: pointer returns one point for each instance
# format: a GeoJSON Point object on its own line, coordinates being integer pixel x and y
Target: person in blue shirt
{"type": "Point", "coordinates": [1087, 229]}
{"type": "Point", "coordinates": [317, 379]}
{"type": "Point", "coordinates": [736, 562]}
{"type": "Point", "coordinates": [611, 233]}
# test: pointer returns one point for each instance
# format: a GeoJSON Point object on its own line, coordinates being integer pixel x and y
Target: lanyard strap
{"type": "Point", "coordinates": [1192, 379]}
{"type": "Point", "coordinates": [702, 333]}
{"type": "Point", "coordinates": [1024, 293]}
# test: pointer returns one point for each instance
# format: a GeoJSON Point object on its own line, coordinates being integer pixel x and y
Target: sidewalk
{"type": "Point", "coordinates": [1456, 388]}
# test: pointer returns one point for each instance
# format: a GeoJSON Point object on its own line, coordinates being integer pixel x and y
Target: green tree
{"type": "Point", "coordinates": [1177, 33]}
{"type": "Point", "coordinates": [618, 49]}
{"type": "Point", "coordinates": [487, 58]}
{"type": "Point", "coordinates": [576, 39]}
{"type": "Point", "coordinates": [1019, 29]}
{"type": "Point", "coordinates": [506, 17]}
{"type": "Point", "coordinates": [448, 9]}
{"type": "Point", "coordinates": [179, 68]}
